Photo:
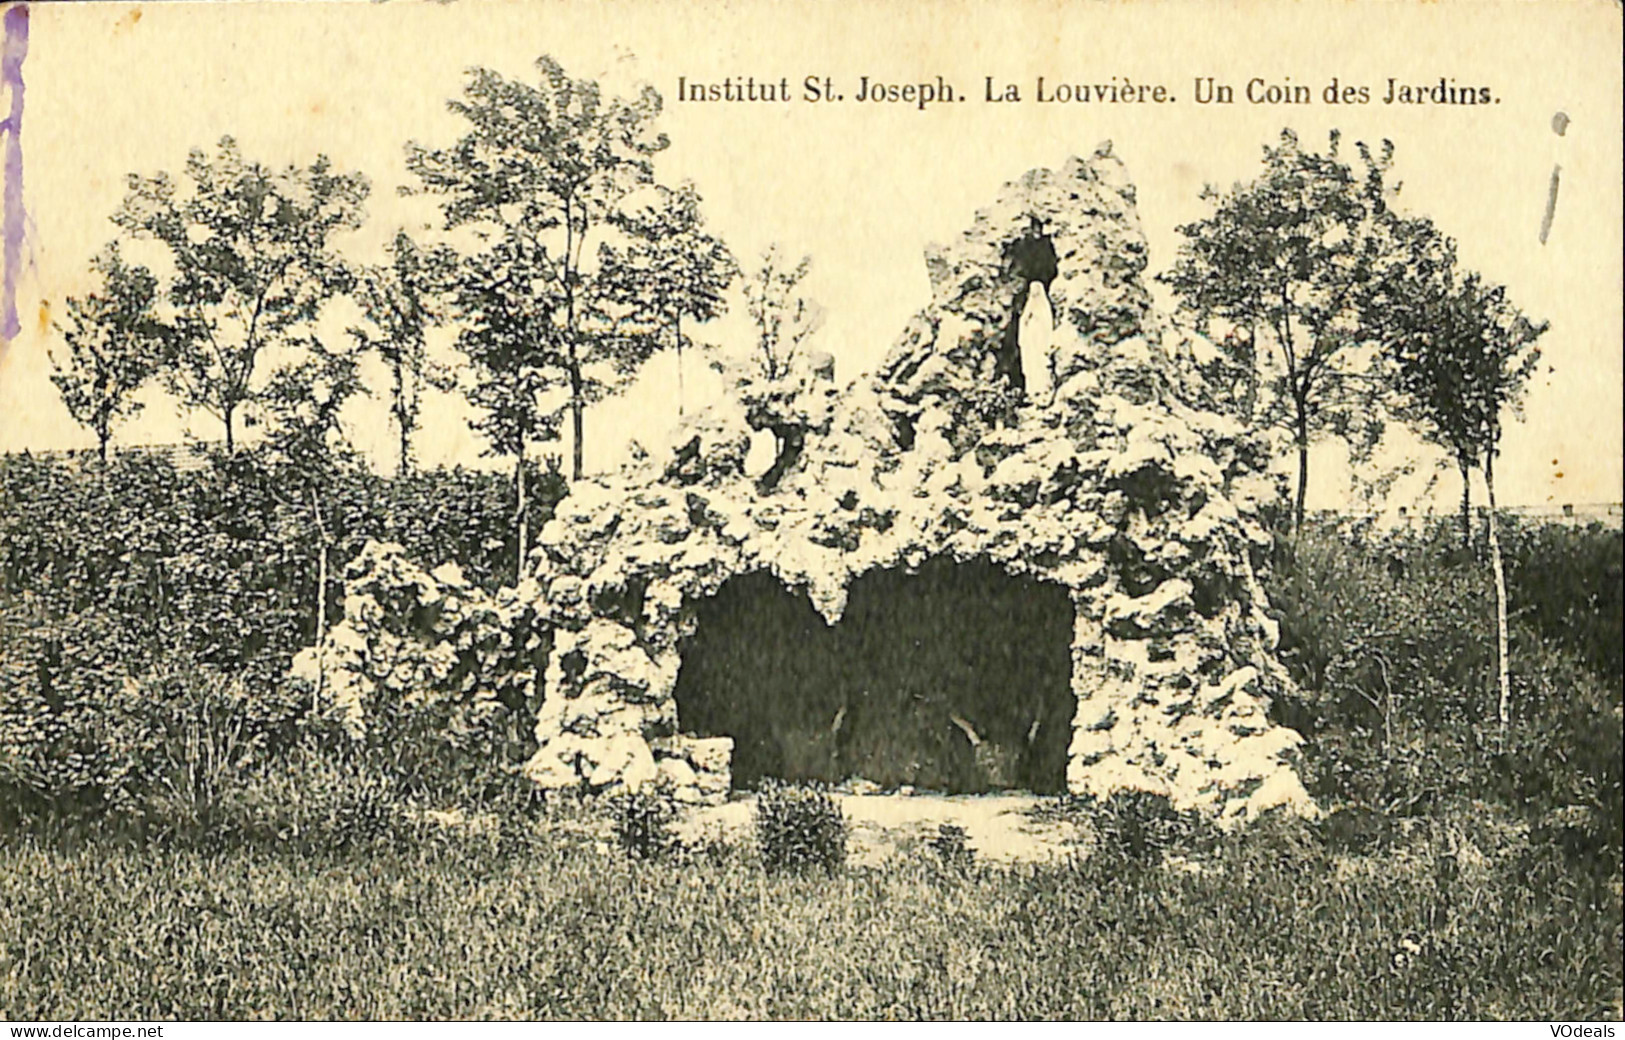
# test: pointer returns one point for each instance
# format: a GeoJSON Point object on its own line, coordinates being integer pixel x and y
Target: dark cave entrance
{"type": "Point", "coordinates": [957, 679]}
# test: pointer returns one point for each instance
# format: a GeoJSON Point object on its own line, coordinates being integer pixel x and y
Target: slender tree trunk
{"type": "Point", "coordinates": [1302, 437]}
{"type": "Point", "coordinates": [404, 466]}
{"type": "Point", "coordinates": [677, 327]}
{"type": "Point", "coordinates": [230, 443]}
{"type": "Point", "coordinates": [321, 599]}
{"type": "Point", "coordinates": [102, 437]}
{"type": "Point", "coordinates": [575, 418]}
{"type": "Point", "coordinates": [1503, 680]}
{"type": "Point", "coordinates": [519, 497]}
{"type": "Point", "coordinates": [1466, 501]}
{"type": "Point", "coordinates": [1249, 402]}
{"type": "Point", "coordinates": [570, 333]}
{"type": "Point", "coordinates": [321, 589]}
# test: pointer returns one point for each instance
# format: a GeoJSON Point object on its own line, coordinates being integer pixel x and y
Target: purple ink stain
{"type": "Point", "coordinates": [11, 76]}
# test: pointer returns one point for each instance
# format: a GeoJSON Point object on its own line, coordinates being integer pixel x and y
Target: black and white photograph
{"type": "Point", "coordinates": [1019, 511]}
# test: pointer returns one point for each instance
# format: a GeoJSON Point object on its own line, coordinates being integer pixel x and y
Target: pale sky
{"type": "Point", "coordinates": [863, 188]}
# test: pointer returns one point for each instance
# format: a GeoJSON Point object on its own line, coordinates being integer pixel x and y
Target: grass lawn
{"type": "Point", "coordinates": [1460, 917]}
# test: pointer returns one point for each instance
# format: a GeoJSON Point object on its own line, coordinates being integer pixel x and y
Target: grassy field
{"type": "Point", "coordinates": [1450, 920]}
{"type": "Point", "coordinates": [181, 838]}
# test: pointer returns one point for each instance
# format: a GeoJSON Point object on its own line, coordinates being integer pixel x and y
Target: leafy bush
{"type": "Point", "coordinates": [1392, 641]}
{"type": "Point", "coordinates": [1136, 829]}
{"type": "Point", "coordinates": [1568, 584]}
{"type": "Point", "coordinates": [333, 803]}
{"type": "Point", "coordinates": [799, 827]}
{"type": "Point", "coordinates": [1354, 828]}
{"type": "Point", "coordinates": [314, 799]}
{"type": "Point", "coordinates": [218, 559]}
{"type": "Point", "coordinates": [951, 846]}
{"type": "Point", "coordinates": [173, 750]}
{"type": "Point", "coordinates": [643, 824]}
{"type": "Point", "coordinates": [149, 615]}
{"type": "Point", "coordinates": [464, 517]}
{"type": "Point", "coordinates": [85, 726]}
{"type": "Point", "coordinates": [1382, 630]}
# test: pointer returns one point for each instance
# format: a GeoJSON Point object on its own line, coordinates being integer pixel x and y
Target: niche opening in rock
{"type": "Point", "coordinates": [1027, 260]}
{"type": "Point", "coordinates": [954, 679]}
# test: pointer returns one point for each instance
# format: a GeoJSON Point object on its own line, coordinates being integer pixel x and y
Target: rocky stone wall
{"type": "Point", "coordinates": [1107, 472]}
{"type": "Point", "coordinates": [1096, 463]}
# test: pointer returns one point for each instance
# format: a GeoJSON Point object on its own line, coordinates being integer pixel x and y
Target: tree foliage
{"type": "Point", "coordinates": [304, 400]}
{"type": "Point", "coordinates": [669, 268]}
{"type": "Point", "coordinates": [251, 263]}
{"type": "Point", "coordinates": [400, 302]}
{"type": "Point", "coordinates": [535, 178]}
{"type": "Point", "coordinates": [1280, 265]}
{"type": "Point", "coordinates": [114, 343]}
{"type": "Point", "coordinates": [219, 557]}
{"type": "Point", "coordinates": [785, 389]}
{"type": "Point", "coordinates": [1461, 352]}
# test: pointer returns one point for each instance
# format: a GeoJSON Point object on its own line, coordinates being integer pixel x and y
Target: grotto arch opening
{"type": "Point", "coordinates": [955, 678]}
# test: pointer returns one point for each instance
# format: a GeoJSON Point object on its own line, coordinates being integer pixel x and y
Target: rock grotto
{"type": "Point", "coordinates": [1021, 554]}
{"type": "Point", "coordinates": [1003, 559]}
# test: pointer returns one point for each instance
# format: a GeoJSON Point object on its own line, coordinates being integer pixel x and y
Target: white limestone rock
{"type": "Point", "coordinates": [1107, 472]}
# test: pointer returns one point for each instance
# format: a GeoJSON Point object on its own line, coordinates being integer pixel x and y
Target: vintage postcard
{"type": "Point", "coordinates": [552, 509]}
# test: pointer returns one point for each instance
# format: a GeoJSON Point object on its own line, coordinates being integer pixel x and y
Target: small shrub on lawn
{"type": "Point", "coordinates": [354, 809]}
{"type": "Point", "coordinates": [1136, 829]}
{"type": "Point", "coordinates": [799, 827]}
{"type": "Point", "coordinates": [1357, 829]}
{"type": "Point", "coordinates": [643, 824]}
{"type": "Point", "coordinates": [951, 847]}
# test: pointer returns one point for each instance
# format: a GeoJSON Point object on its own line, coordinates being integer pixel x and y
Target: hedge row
{"type": "Point", "coordinates": [149, 614]}
{"type": "Point", "coordinates": [219, 559]}
{"type": "Point", "coordinates": [1392, 642]}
